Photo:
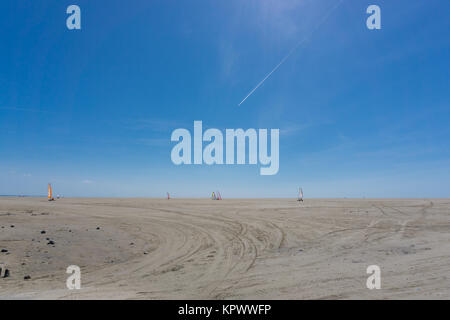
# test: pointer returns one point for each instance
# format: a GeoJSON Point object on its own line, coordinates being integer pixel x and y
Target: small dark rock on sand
{"type": "Point", "coordinates": [43, 232]}
{"type": "Point", "coordinates": [4, 250]}
{"type": "Point", "coordinates": [26, 278]}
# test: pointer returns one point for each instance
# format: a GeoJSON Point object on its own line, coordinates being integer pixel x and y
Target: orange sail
{"type": "Point", "coordinates": [49, 192]}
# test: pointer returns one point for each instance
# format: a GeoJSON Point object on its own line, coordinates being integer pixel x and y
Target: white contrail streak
{"type": "Point", "coordinates": [293, 49]}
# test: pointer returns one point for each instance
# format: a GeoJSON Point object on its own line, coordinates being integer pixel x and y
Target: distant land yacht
{"type": "Point", "coordinates": [300, 194]}
{"type": "Point", "coordinates": [50, 193]}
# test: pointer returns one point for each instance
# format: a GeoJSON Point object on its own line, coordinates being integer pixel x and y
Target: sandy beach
{"type": "Point", "coordinates": [229, 249]}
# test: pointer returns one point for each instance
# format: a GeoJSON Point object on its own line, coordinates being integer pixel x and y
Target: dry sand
{"type": "Point", "coordinates": [229, 249]}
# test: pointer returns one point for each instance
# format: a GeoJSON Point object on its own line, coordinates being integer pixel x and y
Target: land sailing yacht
{"type": "Point", "coordinates": [300, 195]}
{"type": "Point", "coordinates": [50, 198]}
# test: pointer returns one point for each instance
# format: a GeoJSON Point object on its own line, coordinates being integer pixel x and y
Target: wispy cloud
{"type": "Point", "coordinates": [24, 109]}
{"type": "Point", "coordinates": [228, 58]}
{"type": "Point", "coordinates": [278, 15]}
{"type": "Point", "coordinates": [293, 129]}
{"type": "Point", "coordinates": [154, 125]}
{"type": "Point", "coordinates": [154, 142]}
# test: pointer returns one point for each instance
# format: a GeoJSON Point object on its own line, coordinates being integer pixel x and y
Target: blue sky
{"type": "Point", "coordinates": [361, 113]}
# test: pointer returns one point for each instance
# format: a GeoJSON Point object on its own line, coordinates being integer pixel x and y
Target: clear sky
{"type": "Point", "coordinates": [361, 113]}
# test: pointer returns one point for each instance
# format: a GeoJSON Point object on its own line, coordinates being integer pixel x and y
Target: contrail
{"type": "Point", "coordinates": [293, 49]}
